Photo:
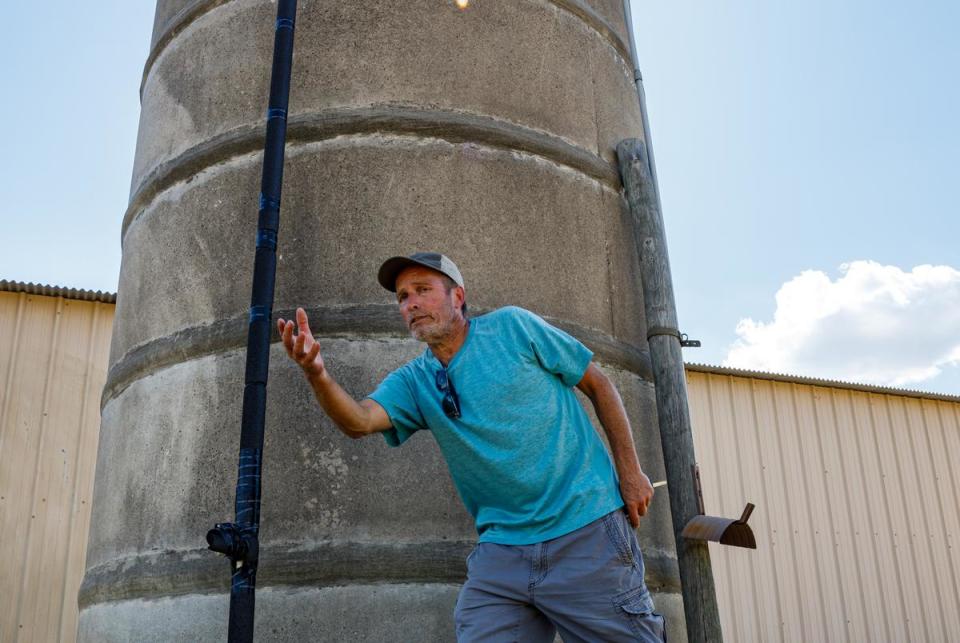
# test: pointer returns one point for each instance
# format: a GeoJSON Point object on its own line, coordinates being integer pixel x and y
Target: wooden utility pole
{"type": "Point", "coordinates": [676, 437]}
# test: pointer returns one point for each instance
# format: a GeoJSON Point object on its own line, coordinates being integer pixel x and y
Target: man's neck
{"type": "Point", "coordinates": [445, 349]}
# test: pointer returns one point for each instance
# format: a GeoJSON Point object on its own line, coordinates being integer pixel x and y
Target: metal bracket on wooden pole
{"type": "Point", "coordinates": [676, 436]}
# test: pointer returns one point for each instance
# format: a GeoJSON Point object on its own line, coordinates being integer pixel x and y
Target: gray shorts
{"type": "Point", "coordinates": [587, 584]}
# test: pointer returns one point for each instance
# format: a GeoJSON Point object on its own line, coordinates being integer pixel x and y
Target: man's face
{"type": "Point", "coordinates": [428, 310]}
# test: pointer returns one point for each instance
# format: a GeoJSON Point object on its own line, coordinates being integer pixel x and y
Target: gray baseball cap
{"type": "Point", "coordinates": [387, 275]}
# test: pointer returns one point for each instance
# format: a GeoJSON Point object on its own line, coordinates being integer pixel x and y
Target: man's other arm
{"type": "Point", "coordinates": [355, 419]}
{"type": "Point", "coordinates": [635, 487]}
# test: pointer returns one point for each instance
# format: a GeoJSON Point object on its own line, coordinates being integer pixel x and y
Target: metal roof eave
{"type": "Point", "coordinates": [58, 291]}
{"type": "Point", "coordinates": [815, 381]}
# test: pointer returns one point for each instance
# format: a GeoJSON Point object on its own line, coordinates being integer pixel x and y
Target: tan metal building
{"type": "Point", "coordinates": [857, 493]}
{"type": "Point", "coordinates": [858, 506]}
{"type": "Point", "coordinates": [53, 361]}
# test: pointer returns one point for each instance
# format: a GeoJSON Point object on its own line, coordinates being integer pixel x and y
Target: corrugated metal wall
{"type": "Point", "coordinates": [53, 360]}
{"type": "Point", "coordinates": [857, 518]}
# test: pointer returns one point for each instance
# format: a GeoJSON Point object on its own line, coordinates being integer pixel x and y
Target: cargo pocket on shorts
{"type": "Point", "coordinates": [637, 607]}
{"type": "Point", "coordinates": [612, 527]}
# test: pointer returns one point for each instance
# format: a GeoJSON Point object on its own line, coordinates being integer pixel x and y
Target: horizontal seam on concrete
{"type": "Point", "coordinates": [598, 23]}
{"type": "Point", "coordinates": [110, 602]}
{"type": "Point", "coordinates": [451, 126]}
{"type": "Point", "coordinates": [177, 23]}
{"type": "Point", "coordinates": [186, 16]}
{"type": "Point", "coordinates": [338, 564]}
{"type": "Point", "coordinates": [357, 321]}
{"type": "Point", "coordinates": [173, 573]}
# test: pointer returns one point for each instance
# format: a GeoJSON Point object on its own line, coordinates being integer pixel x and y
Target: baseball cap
{"type": "Point", "coordinates": [387, 275]}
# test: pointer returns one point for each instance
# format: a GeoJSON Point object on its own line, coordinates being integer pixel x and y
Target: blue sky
{"type": "Point", "coordinates": [795, 137]}
{"type": "Point", "coordinates": [791, 139]}
{"type": "Point", "coordinates": [71, 75]}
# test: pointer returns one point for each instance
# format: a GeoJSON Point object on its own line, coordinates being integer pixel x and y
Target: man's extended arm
{"type": "Point", "coordinates": [355, 419]}
{"type": "Point", "coordinates": [635, 487]}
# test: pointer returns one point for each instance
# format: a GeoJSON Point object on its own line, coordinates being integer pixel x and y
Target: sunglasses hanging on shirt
{"type": "Point", "coordinates": [450, 402]}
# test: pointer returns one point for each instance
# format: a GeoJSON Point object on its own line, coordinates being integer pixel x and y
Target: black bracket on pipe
{"type": "Point", "coordinates": [239, 543]}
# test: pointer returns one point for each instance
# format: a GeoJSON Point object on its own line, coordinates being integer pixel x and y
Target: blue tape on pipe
{"type": "Point", "coordinates": [239, 579]}
{"type": "Point", "coordinates": [276, 112]}
{"type": "Point", "coordinates": [268, 203]}
{"type": "Point", "coordinates": [284, 23]}
{"type": "Point", "coordinates": [259, 312]}
{"type": "Point", "coordinates": [248, 477]}
{"type": "Point", "coordinates": [267, 239]}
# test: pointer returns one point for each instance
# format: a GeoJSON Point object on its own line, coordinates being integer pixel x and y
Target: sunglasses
{"type": "Point", "coordinates": [450, 403]}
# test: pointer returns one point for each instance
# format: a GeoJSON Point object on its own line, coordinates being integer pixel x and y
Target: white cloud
{"type": "Point", "coordinates": [875, 324]}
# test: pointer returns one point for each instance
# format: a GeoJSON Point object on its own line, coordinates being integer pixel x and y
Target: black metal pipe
{"type": "Point", "coordinates": [240, 540]}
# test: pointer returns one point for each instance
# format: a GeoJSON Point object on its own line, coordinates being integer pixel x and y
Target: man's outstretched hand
{"type": "Point", "coordinates": [302, 347]}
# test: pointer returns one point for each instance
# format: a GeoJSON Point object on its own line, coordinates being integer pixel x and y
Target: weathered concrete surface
{"type": "Point", "coordinates": [403, 612]}
{"type": "Point", "coordinates": [178, 449]}
{"type": "Point", "coordinates": [360, 199]}
{"type": "Point", "coordinates": [486, 134]}
{"type": "Point", "coordinates": [171, 15]}
{"type": "Point", "coordinates": [564, 77]}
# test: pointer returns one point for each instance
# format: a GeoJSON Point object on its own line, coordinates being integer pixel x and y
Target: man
{"type": "Point", "coordinates": [556, 549]}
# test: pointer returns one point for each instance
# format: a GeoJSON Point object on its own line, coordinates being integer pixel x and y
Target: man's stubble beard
{"type": "Point", "coordinates": [431, 334]}
{"type": "Point", "coordinates": [434, 332]}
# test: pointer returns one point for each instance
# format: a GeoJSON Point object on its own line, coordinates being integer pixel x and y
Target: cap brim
{"type": "Point", "coordinates": [387, 275]}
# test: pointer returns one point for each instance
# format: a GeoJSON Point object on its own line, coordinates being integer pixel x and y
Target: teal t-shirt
{"type": "Point", "coordinates": [527, 462]}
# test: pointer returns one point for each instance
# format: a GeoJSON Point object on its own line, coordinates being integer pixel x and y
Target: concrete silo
{"type": "Point", "coordinates": [487, 134]}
